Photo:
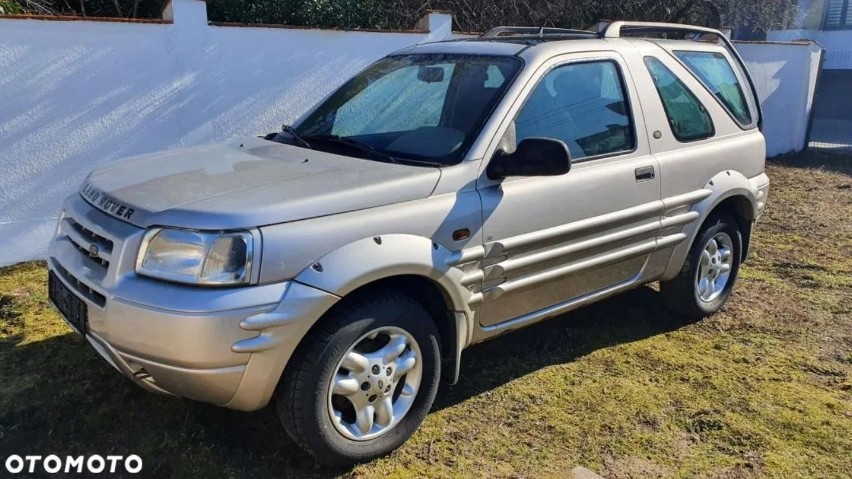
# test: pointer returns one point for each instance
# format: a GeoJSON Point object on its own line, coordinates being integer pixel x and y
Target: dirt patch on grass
{"type": "Point", "coordinates": [10, 320]}
{"type": "Point", "coordinates": [8, 313]}
{"type": "Point", "coordinates": [634, 468]}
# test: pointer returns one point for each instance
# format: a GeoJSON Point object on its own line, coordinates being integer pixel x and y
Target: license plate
{"type": "Point", "coordinates": [72, 308]}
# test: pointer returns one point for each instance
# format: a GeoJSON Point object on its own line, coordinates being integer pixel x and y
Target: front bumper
{"type": "Point", "coordinates": [216, 385]}
{"type": "Point", "coordinates": [226, 346]}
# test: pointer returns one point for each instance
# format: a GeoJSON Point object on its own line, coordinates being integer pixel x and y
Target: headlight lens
{"type": "Point", "coordinates": [197, 257]}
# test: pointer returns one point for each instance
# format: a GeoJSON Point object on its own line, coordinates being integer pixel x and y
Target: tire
{"type": "Point", "coordinates": [304, 398]}
{"type": "Point", "coordinates": [684, 294]}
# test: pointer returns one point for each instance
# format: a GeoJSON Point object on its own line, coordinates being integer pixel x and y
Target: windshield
{"type": "Point", "coordinates": [427, 108]}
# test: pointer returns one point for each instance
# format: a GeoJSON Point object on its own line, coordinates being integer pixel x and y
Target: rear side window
{"type": "Point", "coordinates": [687, 116]}
{"type": "Point", "coordinates": [716, 73]}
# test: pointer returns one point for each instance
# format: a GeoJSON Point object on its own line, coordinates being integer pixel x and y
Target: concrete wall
{"type": "Point", "coordinates": [785, 75]}
{"type": "Point", "coordinates": [75, 94]}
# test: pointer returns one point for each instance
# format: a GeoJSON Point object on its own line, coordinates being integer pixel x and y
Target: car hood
{"type": "Point", "coordinates": [248, 183]}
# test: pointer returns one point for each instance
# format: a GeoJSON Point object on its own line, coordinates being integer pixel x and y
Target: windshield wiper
{"type": "Point", "coordinates": [422, 162]}
{"type": "Point", "coordinates": [358, 145]}
{"type": "Point", "coordinates": [296, 136]}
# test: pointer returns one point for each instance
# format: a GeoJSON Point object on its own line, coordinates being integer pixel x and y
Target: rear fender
{"type": "Point", "coordinates": [725, 185]}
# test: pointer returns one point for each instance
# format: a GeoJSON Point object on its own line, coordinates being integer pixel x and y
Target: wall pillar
{"type": "Point", "coordinates": [438, 24]}
{"type": "Point", "coordinates": [186, 12]}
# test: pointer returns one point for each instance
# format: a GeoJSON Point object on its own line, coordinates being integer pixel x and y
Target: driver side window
{"type": "Point", "coordinates": [583, 105]}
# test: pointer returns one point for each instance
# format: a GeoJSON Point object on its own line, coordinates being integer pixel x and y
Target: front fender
{"type": "Point", "coordinates": [371, 259]}
{"type": "Point", "coordinates": [725, 185]}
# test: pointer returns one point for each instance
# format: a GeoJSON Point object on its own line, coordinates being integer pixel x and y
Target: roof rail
{"type": "Point", "coordinates": [534, 31]}
{"type": "Point", "coordinates": [618, 29]}
{"type": "Point", "coordinates": [615, 29]}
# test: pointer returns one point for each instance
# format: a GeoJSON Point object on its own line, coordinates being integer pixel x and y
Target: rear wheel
{"type": "Point", "coordinates": [363, 382]}
{"type": "Point", "coordinates": [707, 278]}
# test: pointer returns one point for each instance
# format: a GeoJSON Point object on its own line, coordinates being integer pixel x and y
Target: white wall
{"type": "Point", "coordinates": [837, 44]}
{"type": "Point", "coordinates": [75, 94]}
{"type": "Point", "coordinates": [785, 76]}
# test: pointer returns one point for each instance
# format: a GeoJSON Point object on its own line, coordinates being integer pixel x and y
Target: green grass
{"type": "Point", "coordinates": [763, 389]}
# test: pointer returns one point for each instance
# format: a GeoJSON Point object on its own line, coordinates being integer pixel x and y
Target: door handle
{"type": "Point", "coordinates": [646, 173]}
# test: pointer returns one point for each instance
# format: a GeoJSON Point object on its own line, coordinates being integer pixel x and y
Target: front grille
{"type": "Point", "coordinates": [80, 287]}
{"type": "Point", "coordinates": [84, 239]}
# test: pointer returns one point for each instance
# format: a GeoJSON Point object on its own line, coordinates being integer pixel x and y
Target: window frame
{"type": "Point", "coordinates": [740, 80]}
{"type": "Point", "coordinates": [666, 108]}
{"type": "Point", "coordinates": [845, 22]}
{"type": "Point", "coordinates": [624, 89]}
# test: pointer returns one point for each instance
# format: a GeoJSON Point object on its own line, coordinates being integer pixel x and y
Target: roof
{"type": "Point", "coordinates": [538, 43]}
{"type": "Point", "coordinates": [688, 45]}
{"type": "Point", "coordinates": [466, 47]}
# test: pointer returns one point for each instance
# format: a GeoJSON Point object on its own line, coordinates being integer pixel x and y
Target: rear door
{"type": "Point", "coordinates": [551, 240]}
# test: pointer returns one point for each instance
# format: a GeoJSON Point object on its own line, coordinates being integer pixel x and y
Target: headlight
{"type": "Point", "coordinates": [196, 257]}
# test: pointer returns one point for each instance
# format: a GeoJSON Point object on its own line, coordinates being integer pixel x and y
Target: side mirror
{"type": "Point", "coordinates": [533, 157]}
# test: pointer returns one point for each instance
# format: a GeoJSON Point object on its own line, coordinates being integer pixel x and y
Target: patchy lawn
{"type": "Point", "coordinates": [763, 389]}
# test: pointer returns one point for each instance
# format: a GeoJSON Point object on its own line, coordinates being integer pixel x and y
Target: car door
{"type": "Point", "coordinates": [552, 240]}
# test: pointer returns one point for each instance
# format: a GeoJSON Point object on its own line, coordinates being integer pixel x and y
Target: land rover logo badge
{"type": "Point", "coordinates": [93, 250]}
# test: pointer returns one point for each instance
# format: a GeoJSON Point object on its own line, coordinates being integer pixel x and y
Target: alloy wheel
{"type": "Point", "coordinates": [375, 384]}
{"type": "Point", "coordinates": [714, 269]}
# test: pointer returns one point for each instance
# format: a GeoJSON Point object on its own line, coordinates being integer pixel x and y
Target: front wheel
{"type": "Point", "coordinates": [707, 278]}
{"type": "Point", "coordinates": [363, 381]}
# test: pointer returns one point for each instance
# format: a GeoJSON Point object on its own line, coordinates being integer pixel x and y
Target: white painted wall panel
{"type": "Point", "coordinates": [785, 76]}
{"type": "Point", "coordinates": [74, 95]}
{"type": "Point", "coordinates": [77, 94]}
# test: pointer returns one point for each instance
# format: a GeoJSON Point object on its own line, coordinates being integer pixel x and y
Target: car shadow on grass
{"type": "Point", "coordinates": [816, 159]}
{"type": "Point", "coordinates": [632, 316]}
{"type": "Point", "coordinates": [60, 397]}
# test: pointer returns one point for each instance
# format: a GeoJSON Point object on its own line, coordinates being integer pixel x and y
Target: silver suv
{"type": "Point", "coordinates": [449, 193]}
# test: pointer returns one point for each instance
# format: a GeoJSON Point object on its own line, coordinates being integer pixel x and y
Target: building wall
{"type": "Point", "coordinates": [837, 44]}
{"type": "Point", "coordinates": [808, 25]}
{"type": "Point", "coordinates": [77, 94]}
{"type": "Point", "coordinates": [810, 14]}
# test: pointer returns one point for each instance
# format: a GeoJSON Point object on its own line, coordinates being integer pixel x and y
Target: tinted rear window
{"type": "Point", "coordinates": [716, 73]}
{"type": "Point", "coordinates": [687, 116]}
